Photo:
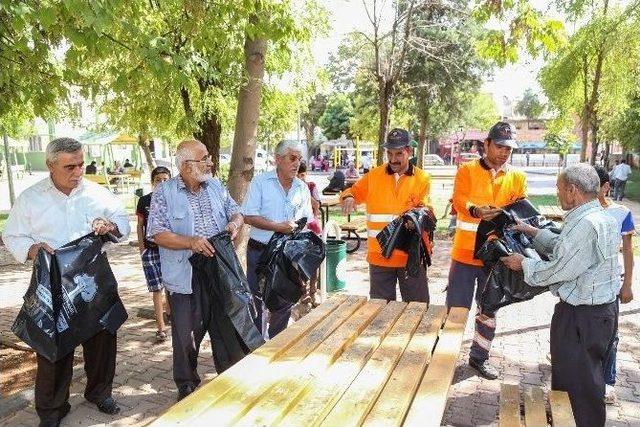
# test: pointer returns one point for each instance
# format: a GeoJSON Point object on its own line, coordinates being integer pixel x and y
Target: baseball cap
{"type": "Point", "coordinates": [502, 133]}
{"type": "Point", "coordinates": [397, 138]}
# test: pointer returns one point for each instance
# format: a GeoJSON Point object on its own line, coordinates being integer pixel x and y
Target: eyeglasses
{"type": "Point", "coordinates": [293, 158]}
{"type": "Point", "coordinates": [206, 159]}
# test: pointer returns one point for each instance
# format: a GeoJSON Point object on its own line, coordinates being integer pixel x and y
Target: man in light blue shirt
{"type": "Point", "coordinates": [583, 271]}
{"type": "Point", "coordinates": [276, 199]}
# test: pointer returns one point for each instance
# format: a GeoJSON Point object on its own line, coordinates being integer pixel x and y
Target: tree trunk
{"type": "Point", "coordinates": [244, 140]}
{"type": "Point", "coordinates": [594, 140]}
{"type": "Point", "coordinates": [607, 152]}
{"type": "Point", "coordinates": [143, 142]}
{"type": "Point", "coordinates": [422, 137]}
{"type": "Point", "coordinates": [384, 104]}
{"type": "Point", "coordinates": [209, 132]}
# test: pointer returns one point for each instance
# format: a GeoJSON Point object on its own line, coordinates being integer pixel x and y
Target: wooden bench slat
{"type": "Point", "coordinates": [326, 389]}
{"type": "Point", "coordinates": [190, 407]}
{"type": "Point", "coordinates": [509, 415]}
{"type": "Point", "coordinates": [393, 403]}
{"type": "Point", "coordinates": [430, 400]}
{"type": "Point", "coordinates": [535, 414]}
{"type": "Point", "coordinates": [289, 380]}
{"type": "Point", "coordinates": [561, 412]}
{"type": "Point", "coordinates": [293, 386]}
{"type": "Point", "coordinates": [355, 403]}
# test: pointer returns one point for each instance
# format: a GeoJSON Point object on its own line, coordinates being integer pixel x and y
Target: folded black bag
{"type": "Point", "coordinates": [72, 296]}
{"type": "Point", "coordinates": [287, 263]}
{"type": "Point", "coordinates": [232, 305]}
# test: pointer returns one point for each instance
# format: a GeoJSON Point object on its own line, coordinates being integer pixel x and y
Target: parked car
{"type": "Point", "coordinates": [433, 160]}
{"type": "Point", "coordinates": [225, 159]}
{"type": "Point", "coordinates": [264, 161]}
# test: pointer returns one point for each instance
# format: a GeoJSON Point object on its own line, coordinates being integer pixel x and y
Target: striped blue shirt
{"type": "Point", "coordinates": [583, 266]}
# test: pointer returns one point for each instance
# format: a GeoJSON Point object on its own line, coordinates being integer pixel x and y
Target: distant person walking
{"type": "Point", "coordinates": [620, 175]}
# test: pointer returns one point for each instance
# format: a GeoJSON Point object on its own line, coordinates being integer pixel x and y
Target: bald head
{"type": "Point", "coordinates": [189, 149]}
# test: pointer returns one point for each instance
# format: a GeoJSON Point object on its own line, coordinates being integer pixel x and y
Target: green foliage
{"type": "Point", "coordinates": [524, 28]}
{"type": "Point", "coordinates": [335, 120]}
{"type": "Point", "coordinates": [31, 78]}
{"type": "Point", "coordinates": [559, 136]}
{"type": "Point", "coordinates": [529, 105]}
{"type": "Point", "coordinates": [479, 112]}
{"type": "Point", "coordinates": [625, 127]}
{"type": "Point", "coordinates": [278, 114]}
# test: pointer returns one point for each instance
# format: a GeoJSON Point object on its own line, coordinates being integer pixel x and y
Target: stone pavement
{"type": "Point", "coordinates": [144, 386]}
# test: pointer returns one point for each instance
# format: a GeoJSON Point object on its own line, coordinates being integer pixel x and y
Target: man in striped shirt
{"type": "Point", "coordinates": [583, 271]}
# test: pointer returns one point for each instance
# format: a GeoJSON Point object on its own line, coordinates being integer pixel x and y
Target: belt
{"type": "Point", "coordinates": [255, 245]}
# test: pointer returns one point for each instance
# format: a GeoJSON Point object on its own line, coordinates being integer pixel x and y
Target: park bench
{"type": "Point", "coordinates": [354, 227]}
{"type": "Point", "coordinates": [348, 362]}
{"type": "Point", "coordinates": [534, 408]}
{"type": "Point", "coordinates": [551, 212]}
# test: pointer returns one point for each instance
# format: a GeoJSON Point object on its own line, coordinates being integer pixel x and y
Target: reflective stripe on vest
{"type": "Point", "coordinates": [466, 226]}
{"type": "Point", "coordinates": [381, 217]}
{"type": "Point", "coordinates": [373, 233]}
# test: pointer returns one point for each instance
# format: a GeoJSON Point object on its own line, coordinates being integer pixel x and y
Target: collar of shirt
{"type": "Point", "coordinates": [576, 213]}
{"type": "Point", "coordinates": [409, 171]}
{"type": "Point", "coordinates": [50, 186]}
{"type": "Point", "coordinates": [504, 168]}
{"type": "Point", "coordinates": [183, 186]}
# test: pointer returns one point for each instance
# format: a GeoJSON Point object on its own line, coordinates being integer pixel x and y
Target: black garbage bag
{"type": "Point", "coordinates": [416, 240]}
{"type": "Point", "coordinates": [72, 296]}
{"type": "Point", "coordinates": [505, 286]}
{"type": "Point", "coordinates": [287, 264]}
{"type": "Point", "coordinates": [231, 302]}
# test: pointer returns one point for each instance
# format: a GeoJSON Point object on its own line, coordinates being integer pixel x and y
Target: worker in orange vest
{"type": "Point", "coordinates": [389, 191]}
{"type": "Point", "coordinates": [480, 189]}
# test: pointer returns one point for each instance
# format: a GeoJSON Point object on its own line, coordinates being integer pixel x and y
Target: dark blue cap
{"type": "Point", "coordinates": [397, 138]}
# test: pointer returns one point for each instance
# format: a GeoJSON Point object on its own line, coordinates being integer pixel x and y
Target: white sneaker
{"type": "Point", "coordinates": [610, 397]}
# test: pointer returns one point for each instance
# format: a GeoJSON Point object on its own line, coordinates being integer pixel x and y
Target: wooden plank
{"type": "Point", "coordinates": [535, 414]}
{"type": "Point", "coordinates": [431, 398]}
{"type": "Point", "coordinates": [509, 415]}
{"type": "Point", "coordinates": [355, 403]}
{"type": "Point", "coordinates": [290, 383]}
{"type": "Point", "coordinates": [392, 405]}
{"type": "Point", "coordinates": [561, 412]}
{"type": "Point", "coordinates": [243, 397]}
{"type": "Point", "coordinates": [241, 373]}
{"type": "Point", "coordinates": [320, 396]}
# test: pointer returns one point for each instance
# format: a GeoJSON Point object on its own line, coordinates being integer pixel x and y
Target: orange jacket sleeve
{"type": "Point", "coordinates": [461, 190]}
{"type": "Point", "coordinates": [358, 190]}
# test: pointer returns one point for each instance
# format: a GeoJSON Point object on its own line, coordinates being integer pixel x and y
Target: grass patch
{"type": "Point", "coordinates": [3, 220]}
{"type": "Point", "coordinates": [544, 200]}
{"type": "Point", "coordinates": [632, 190]}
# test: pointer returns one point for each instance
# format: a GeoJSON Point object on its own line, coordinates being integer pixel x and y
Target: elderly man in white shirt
{"type": "Point", "coordinates": [49, 214]}
{"type": "Point", "coordinates": [276, 199]}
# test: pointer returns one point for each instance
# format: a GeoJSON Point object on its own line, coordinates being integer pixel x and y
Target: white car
{"type": "Point", "coordinates": [263, 161]}
{"type": "Point", "coordinates": [225, 159]}
{"type": "Point", "coordinates": [433, 160]}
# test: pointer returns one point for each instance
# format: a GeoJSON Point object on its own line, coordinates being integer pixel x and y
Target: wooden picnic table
{"type": "Point", "coordinates": [551, 212]}
{"type": "Point", "coordinates": [348, 362]}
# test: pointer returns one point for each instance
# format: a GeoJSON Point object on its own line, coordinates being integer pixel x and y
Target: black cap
{"type": "Point", "coordinates": [503, 134]}
{"type": "Point", "coordinates": [397, 138]}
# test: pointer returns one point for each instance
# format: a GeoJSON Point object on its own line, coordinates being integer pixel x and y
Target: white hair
{"type": "Point", "coordinates": [61, 145]}
{"type": "Point", "coordinates": [184, 152]}
{"type": "Point", "coordinates": [284, 145]}
{"type": "Point", "coordinates": [583, 176]}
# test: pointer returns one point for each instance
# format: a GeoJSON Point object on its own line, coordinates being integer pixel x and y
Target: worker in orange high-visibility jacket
{"type": "Point", "coordinates": [389, 191]}
{"type": "Point", "coordinates": [480, 189]}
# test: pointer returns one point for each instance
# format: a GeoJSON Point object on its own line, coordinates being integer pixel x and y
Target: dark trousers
{"type": "Point", "coordinates": [188, 328]}
{"type": "Point", "coordinates": [610, 360]}
{"type": "Point", "coordinates": [382, 284]}
{"type": "Point", "coordinates": [278, 320]}
{"type": "Point", "coordinates": [580, 339]}
{"type": "Point", "coordinates": [53, 379]}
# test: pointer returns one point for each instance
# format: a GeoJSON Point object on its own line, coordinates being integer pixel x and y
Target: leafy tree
{"type": "Point", "coordinates": [337, 116]}
{"type": "Point", "coordinates": [479, 112]}
{"type": "Point", "coordinates": [559, 136]}
{"type": "Point", "coordinates": [311, 118]}
{"type": "Point", "coordinates": [529, 105]}
{"type": "Point", "coordinates": [593, 76]}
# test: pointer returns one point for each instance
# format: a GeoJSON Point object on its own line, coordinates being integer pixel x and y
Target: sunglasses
{"type": "Point", "coordinates": [206, 159]}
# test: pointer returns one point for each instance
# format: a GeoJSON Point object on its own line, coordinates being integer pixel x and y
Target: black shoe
{"type": "Point", "coordinates": [484, 368]}
{"type": "Point", "coordinates": [108, 406]}
{"type": "Point", "coordinates": [49, 423]}
{"type": "Point", "coordinates": [184, 391]}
